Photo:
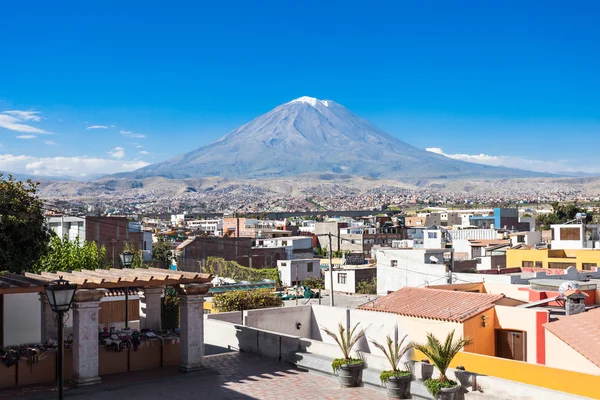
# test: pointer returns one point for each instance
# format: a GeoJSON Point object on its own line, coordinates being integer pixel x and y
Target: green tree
{"type": "Point", "coordinates": [367, 287]}
{"type": "Point", "coordinates": [138, 260]}
{"type": "Point", "coordinates": [23, 233]}
{"type": "Point", "coordinates": [231, 269]}
{"type": "Point", "coordinates": [562, 213]}
{"type": "Point", "coordinates": [161, 251]}
{"type": "Point", "coordinates": [66, 255]}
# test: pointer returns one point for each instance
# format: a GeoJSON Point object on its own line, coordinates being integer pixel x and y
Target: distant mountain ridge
{"type": "Point", "coordinates": [307, 136]}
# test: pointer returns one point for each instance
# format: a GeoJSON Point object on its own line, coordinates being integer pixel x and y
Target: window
{"type": "Point", "coordinates": [432, 235]}
{"type": "Point", "coordinates": [588, 266]}
{"type": "Point", "coordinates": [538, 264]}
{"type": "Point", "coordinates": [309, 267]}
{"type": "Point", "coordinates": [570, 234]}
{"type": "Point", "coordinates": [394, 263]}
{"type": "Point", "coordinates": [559, 265]}
{"type": "Point", "coordinates": [284, 243]}
{"type": "Point", "coordinates": [527, 264]}
{"type": "Point", "coordinates": [521, 239]}
{"type": "Point", "coordinates": [342, 278]}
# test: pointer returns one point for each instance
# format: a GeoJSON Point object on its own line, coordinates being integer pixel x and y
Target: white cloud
{"type": "Point", "coordinates": [139, 146]}
{"type": "Point", "coordinates": [24, 115]}
{"type": "Point", "coordinates": [552, 166]}
{"type": "Point", "coordinates": [132, 135]}
{"type": "Point", "coordinates": [13, 120]}
{"type": "Point", "coordinates": [50, 142]}
{"type": "Point", "coordinates": [144, 152]}
{"type": "Point", "coordinates": [113, 126]}
{"type": "Point", "coordinates": [117, 152]}
{"type": "Point", "coordinates": [66, 166]}
{"type": "Point", "coordinates": [26, 137]}
{"type": "Point", "coordinates": [97, 127]}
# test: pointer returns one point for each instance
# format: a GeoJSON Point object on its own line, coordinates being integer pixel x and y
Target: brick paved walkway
{"type": "Point", "coordinates": [230, 376]}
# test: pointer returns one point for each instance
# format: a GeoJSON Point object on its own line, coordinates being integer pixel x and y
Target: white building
{"type": "Point", "coordinates": [347, 277]}
{"type": "Point", "coordinates": [527, 238]}
{"type": "Point", "coordinates": [293, 270]}
{"type": "Point", "coordinates": [210, 226]}
{"type": "Point", "coordinates": [397, 268]}
{"type": "Point", "coordinates": [575, 236]}
{"type": "Point", "coordinates": [296, 247]}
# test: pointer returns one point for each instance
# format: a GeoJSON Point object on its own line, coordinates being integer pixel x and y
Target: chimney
{"type": "Point", "coordinates": [574, 302]}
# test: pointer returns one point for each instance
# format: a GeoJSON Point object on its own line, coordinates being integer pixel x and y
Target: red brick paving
{"type": "Point", "coordinates": [233, 376]}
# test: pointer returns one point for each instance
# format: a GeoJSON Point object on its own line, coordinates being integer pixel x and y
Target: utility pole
{"type": "Point", "coordinates": [297, 284]}
{"type": "Point", "coordinates": [331, 303]}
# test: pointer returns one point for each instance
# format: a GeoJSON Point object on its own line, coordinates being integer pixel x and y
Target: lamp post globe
{"type": "Point", "coordinates": [60, 295]}
{"type": "Point", "coordinates": [127, 258]}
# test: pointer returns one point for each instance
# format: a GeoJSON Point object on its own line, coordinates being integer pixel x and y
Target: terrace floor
{"type": "Point", "coordinates": [228, 376]}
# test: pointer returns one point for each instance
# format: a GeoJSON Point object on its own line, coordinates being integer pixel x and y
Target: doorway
{"type": "Point", "coordinates": [511, 344]}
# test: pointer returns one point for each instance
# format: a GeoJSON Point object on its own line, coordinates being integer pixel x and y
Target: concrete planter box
{"type": "Point", "coordinates": [449, 393]}
{"type": "Point", "coordinates": [41, 371]}
{"type": "Point", "coordinates": [147, 356]}
{"type": "Point", "coordinates": [349, 375]}
{"type": "Point", "coordinates": [171, 354]}
{"type": "Point", "coordinates": [8, 376]}
{"type": "Point", "coordinates": [111, 362]}
{"type": "Point", "coordinates": [398, 387]}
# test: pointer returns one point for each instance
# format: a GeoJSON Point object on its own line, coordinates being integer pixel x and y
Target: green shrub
{"type": "Point", "coordinates": [367, 287]}
{"type": "Point", "coordinates": [241, 300]}
{"type": "Point", "coordinates": [314, 282]}
{"type": "Point", "coordinates": [434, 386]}
{"type": "Point", "coordinates": [386, 375]}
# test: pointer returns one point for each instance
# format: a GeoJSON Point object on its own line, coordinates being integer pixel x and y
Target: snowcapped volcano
{"type": "Point", "coordinates": [308, 135]}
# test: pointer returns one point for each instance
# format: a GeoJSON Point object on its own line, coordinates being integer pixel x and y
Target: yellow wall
{"type": "Point", "coordinates": [531, 374]}
{"type": "Point", "coordinates": [561, 355]}
{"type": "Point", "coordinates": [483, 336]}
{"type": "Point", "coordinates": [515, 257]}
{"type": "Point", "coordinates": [210, 306]}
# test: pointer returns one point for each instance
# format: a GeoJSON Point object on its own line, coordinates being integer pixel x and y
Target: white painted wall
{"type": "Point", "coordinates": [561, 355]}
{"type": "Point", "coordinates": [281, 319]}
{"type": "Point", "coordinates": [509, 290]}
{"type": "Point", "coordinates": [411, 270]}
{"type": "Point", "coordinates": [22, 319]}
{"type": "Point", "coordinates": [348, 287]}
{"type": "Point", "coordinates": [287, 269]}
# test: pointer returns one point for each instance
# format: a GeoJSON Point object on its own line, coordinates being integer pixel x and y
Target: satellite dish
{"type": "Point", "coordinates": [568, 286]}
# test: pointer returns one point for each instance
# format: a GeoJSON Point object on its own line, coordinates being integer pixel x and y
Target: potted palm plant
{"type": "Point", "coordinates": [347, 368]}
{"type": "Point", "coordinates": [441, 355]}
{"type": "Point", "coordinates": [396, 381]}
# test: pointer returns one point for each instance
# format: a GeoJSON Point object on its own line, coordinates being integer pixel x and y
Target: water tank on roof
{"type": "Point", "coordinates": [568, 286]}
{"type": "Point", "coordinates": [580, 216]}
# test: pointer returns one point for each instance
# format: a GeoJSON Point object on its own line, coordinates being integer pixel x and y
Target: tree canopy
{"type": "Point", "coordinates": [562, 213]}
{"type": "Point", "coordinates": [66, 255]}
{"type": "Point", "coordinates": [23, 234]}
{"type": "Point", "coordinates": [161, 251]}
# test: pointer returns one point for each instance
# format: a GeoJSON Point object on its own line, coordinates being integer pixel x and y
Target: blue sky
{"type": "Point", "coordinates": [512, 82]}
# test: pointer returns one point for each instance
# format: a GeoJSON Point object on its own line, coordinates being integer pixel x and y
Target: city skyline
{"type": "Point", "coordinates": [91, 90]}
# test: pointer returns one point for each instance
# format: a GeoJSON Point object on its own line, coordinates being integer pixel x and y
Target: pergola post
{"type": "Point", "coordinates": [49, 328]}
{"type": "Point", "coordinates": [86, 305]}
{"type": "Point", "coordinates": [191, 316]}
{"type": "Point", "coordinates": [151, 308]}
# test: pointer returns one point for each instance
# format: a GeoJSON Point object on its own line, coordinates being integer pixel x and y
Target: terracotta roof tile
{"type": "Point", "coordinates": [439, 304]}
{"type": "Point", "coordinates": [581, 332]}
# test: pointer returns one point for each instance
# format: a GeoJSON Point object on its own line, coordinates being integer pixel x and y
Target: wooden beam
{"type": "Point", "coordinates": [89, 277]}
{"type": "Point", "coordinates": [15, 282]}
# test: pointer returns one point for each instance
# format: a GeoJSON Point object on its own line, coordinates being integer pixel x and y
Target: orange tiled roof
{"type": "Point", "coordinates": [439, 304]}
{"type": "Point", "coordinates": [581, 332]}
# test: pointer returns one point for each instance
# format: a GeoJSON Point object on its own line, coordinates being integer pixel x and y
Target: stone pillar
{"type": "Point", "coordinates": [85, 336]}
{"type": "Point", "coordinates": [151, 308]}
{"type": "Point", "coordinates": [191, 317]}
{"type": "Point", "coordinates": [49, 328]}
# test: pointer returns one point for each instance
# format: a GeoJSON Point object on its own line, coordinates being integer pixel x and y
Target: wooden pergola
{"type": "Point", "coordinates": [100, 279]}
